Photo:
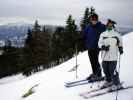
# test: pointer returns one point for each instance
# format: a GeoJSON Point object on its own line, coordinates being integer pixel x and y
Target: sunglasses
{"type": "Point", "coordinates": [93, 19]}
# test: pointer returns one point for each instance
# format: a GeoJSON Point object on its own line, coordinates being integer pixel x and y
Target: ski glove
{"type": "Point", "coordinates": [121, 50]}
{"type": "Point", "coordinates": [105, 48]}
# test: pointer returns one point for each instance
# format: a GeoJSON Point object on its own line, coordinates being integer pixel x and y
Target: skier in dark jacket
{"type": "Point", "coordinates": [91, 36]}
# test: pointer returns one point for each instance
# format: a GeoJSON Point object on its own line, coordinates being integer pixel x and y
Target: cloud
{"type": "Point", "coordinates": [56, 11]}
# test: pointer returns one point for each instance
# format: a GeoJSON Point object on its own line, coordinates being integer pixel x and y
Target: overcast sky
{"type": "Point", "coordinates": [57, 11]}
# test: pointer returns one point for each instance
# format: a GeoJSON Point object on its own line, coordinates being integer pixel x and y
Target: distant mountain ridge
{"type": "Point", "coordinates": [17, 31]}
{"type": "Point", "coordinates": [12, 30]}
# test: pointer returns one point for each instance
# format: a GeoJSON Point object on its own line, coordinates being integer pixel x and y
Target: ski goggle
{"type": "Point", "coordinates": [93, 19]}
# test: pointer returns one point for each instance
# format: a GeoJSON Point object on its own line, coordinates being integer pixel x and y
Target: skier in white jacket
{"type": "Point", "coordinates": [111, 46]}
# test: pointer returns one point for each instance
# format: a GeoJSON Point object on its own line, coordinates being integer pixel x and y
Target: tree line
{"type": "Point", "coordinates": [43, 50]}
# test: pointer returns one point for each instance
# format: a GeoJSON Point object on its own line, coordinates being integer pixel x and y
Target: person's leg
{"type": "Point", "coordinates": [115, 76]}
{"type": "Point", "coordinates": [97, 64]}
{"type": "Point", "coordinates": [108, 82]}
{"type": "Point", "coordinates": [90, 54]}
{"type": "Point", "coordinates": [105, 66]}
{"type": "Point", "coordinates": [114, 73]}
{"type": "Point", "coordinates": [93, 56]}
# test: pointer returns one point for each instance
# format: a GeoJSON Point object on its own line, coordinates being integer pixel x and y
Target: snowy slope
{"type": "Point", "coordinates": [51, 82]}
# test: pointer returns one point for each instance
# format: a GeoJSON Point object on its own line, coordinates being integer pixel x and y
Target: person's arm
{"type": "Point", "coordinates": [104, 28]}
{"type": "Point", "coordinates": [101, 43]}
{"type": "Point", "coordinates": [120, 44]}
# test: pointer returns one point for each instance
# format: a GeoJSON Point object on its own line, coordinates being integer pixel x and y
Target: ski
{"type": "Point", "coordinates": [95, 90]}
{"type": "Point", "coordinates": [74, 82]}
{"type": "Point", "coordinates": [68, 83]}
{"type": "Point", "coordinates": [100, 93]}
{"type": "Point", "coordinates": [81, 82]}
{"type": "Point", "coordinates": [91, 91]}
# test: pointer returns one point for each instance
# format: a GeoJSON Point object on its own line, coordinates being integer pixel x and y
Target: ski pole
{"type": "Point", "coordinates": [118, 74]}
{"type": "Point", "coordinates": [76, 61]}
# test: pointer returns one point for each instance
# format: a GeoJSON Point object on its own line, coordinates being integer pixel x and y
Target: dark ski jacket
{"type": "Point", "coordinates": [91, 35]}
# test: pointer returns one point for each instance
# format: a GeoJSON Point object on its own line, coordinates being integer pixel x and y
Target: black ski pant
{"type": "Point", "coordinates": [93, 56]}
{"type": "Point", "coordinates": [111, 74]}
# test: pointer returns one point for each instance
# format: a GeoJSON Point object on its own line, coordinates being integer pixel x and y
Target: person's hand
{"type": "Point", "coordinates": [105, 48]}
{"type": "Point", "coordinates": [121, 50]}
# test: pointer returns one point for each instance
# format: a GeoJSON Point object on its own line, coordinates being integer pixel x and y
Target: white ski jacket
{"type": "Point", "coordinates": [114, 40]}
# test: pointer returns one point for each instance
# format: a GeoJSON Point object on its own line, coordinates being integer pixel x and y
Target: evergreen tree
{"type": "Point", "coordinates": [70, 36]}
{"type": "Point", "coordinates": [44, 29]}
{"type": "Point", "coordinates": [92, 10]}
{"type": "Point", "coordinates": [27, 52]}
{"type": "Point", "coordinates": [29, 36]}
{"type": "Point", "coordinates": [85, 20]}
{"type": "Point", "coordinates": [37, 27]}
{"type": "Point", "coordinates": [64, 41]}
{"type": "Point", "coordinates": [9, 60]}
{"type": "Point", "coordinates": [37, 47]}
{"type": "Point", "coordinates": [57, 46]}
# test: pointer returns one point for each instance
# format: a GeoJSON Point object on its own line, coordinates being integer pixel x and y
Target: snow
{"type": "Point", "coordinates": [51, 82]}
{"type": "Point", "coordinates": [10, 79]}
